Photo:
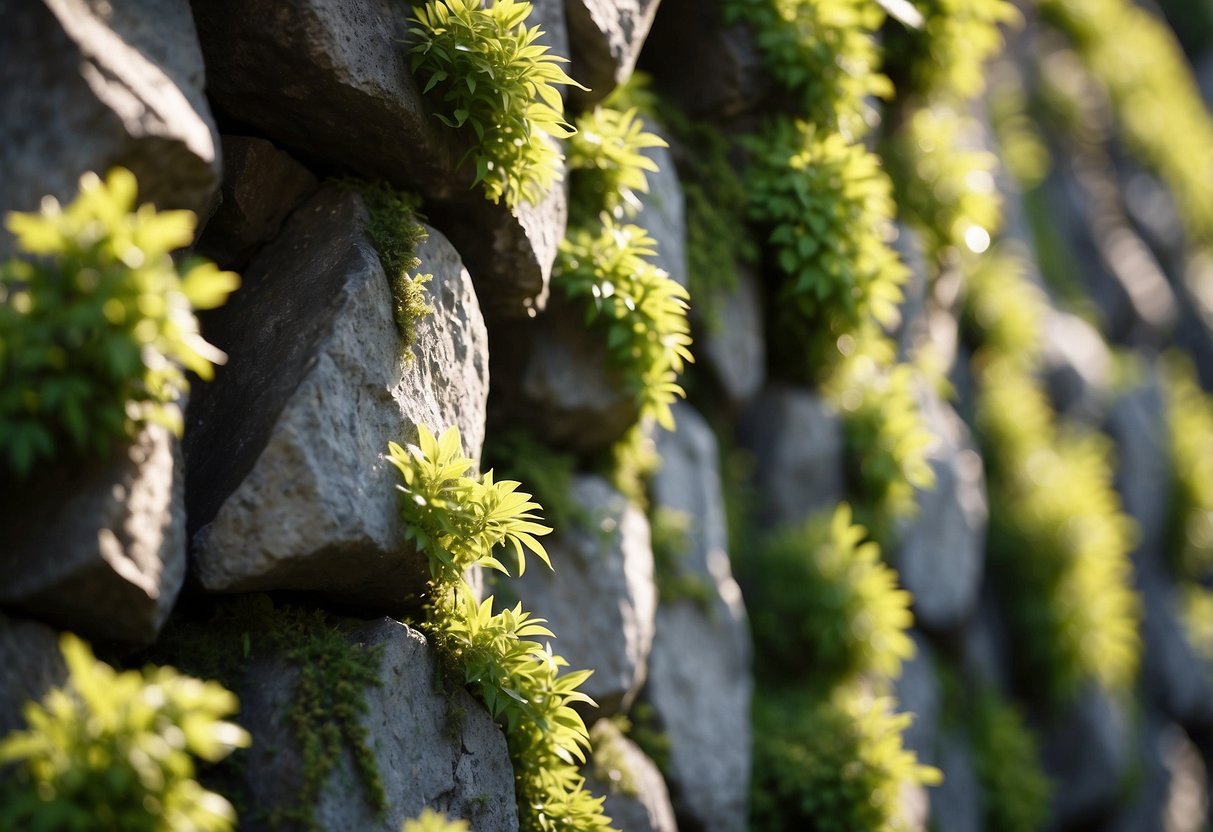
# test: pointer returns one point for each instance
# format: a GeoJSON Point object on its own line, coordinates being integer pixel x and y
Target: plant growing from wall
{"type": "Point", "coordinates": [97, 324]}
{"type": "Point", "coordinates": [1190, 431]}
{"type": "Point", "coordinates": [116, 751]}
{"type": "Point", "coordinates": [607, 165]}
{"type": "Point", "coordinates": [431, 821]}
{"type": "Point", "coordinates": [460, 521]}
{"type": "Point", "coordinates": [823, 608]}
{"type": "Point", "coordinates": [499, 87]}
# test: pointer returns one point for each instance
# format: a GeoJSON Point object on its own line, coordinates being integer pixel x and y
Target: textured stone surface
{"type": "Point", "coordinates": [1086, 752]}
{"type": "Point", "coordinates": [1178, 678]}
{"type": "Point", "coordinates": [918, 693]}
{"type": "Point", "coordinates": [606, 37]}
{"type": "Point", "coordinates": [1137, 423]}
{"type": "Point", "coordinates": [797, 441]}
{"type": "Point", "coordinates": [433, 746]}
{"type": "Point", "coordinates": [941, 555]}
{"type": "Point", "coordinates": [734, 347]}
{"type": "Point", "coordinates": [1172, 786]}
{"type": "Point", "coordinates": [288, 479]}
{"type": "Point", "coordinates": [86, 86]}
{"type": "Point", "coordinates": [29, 654]}
{"type": "Point", "coordinates": [100, 550]}
{"type": "Point", "coordinates": [956, 804]}
{"type": "Point", "coordinates": [699, 673]}
{"type": "Point", "coordinates": [663, 210]}
{"type": "Point", "coordinates": [600, 600]}
{"type": "Point", "coordinates": [1077, 365]}
{"type": "Point", "coordinates": [261, 185]}
{"type": "Point", "coordinates": [637, 799]}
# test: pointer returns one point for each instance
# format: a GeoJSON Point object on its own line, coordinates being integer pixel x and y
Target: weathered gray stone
{"type": "Point", "coordinates": [1086, 752]}
{"type": "Point", "coordinates": [261, 185]}
{"type": "Point", "coordinates": [29, 654]}
{"type": "Point", "coordinates": [797, 441]}
{"type": "Point", "coordinates": [734, 347]}
{"type": "Point", "coordinates": [432, 746]}
{"type": "Point", "coordinates": [957, 803]}
{"type": "Point", "coordinates": [600, 600]}
{"type": "Point", "coordinates": [288, 478]}
{"type": "Point", "coordinates": [918, 693]}
{"type": "Point", "coordinates": [637, 799]}
{"type": "Point", "coordinates": [1077, 364]}
{"type": "Point", "coordinates": [699, 672]}
{"type": "Point", "coordinates": [606, 37]}
{"type": "Point", "coordinates": [1137, 423]}
{"type": "Point", "coordinates": [100, 550]}
{"type": "Point", "coordinates": [1171, 786]}
{"type": "Point", "coordinates": [941, 555]}
{"type": "Point", "coordinates": [87, 85]}
{"type": "Point", "coordinates": [1178, 678]}
{"type": "Point", "coordinates": [663, 211]}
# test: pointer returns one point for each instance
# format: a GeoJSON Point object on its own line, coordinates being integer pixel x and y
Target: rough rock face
{"type": "Point", "coordinates": [432, 747]}
{"type": "Point", "coordinates": [29, 654]}
{"type": "Point", "coordinates": [918, 692]}
{"type": "Point", "coordinates": [1088, 751]}
{"type": "Point", "coordinates": [797, 442]}
{"type": "Point", "coordinates": [942, 551]}
{"type": "Point", "coordinates": [637, 799]}
{"type": "Point", "coordinates": [288, 479]}
{"type": "Point", "coordinates": [88, 86]}
{"type": "Point", "coordinates": [1179, 679]}
{"type": "Point", "coordinates": [1172, 782]}
{"type": "Point", "coordinates": [1077, 365]}
{"type": "Point", "coordinates": [663, 210]}
{"type": "Point", "coordinates": [261, 185]}
{"type": "Point", "coordinates": [102, 550]}
{"type": "Point", "coordinates": [600, 600]}
{"type": "Point", "coordinates": [605, 37]}
{"type": "Point", "coordinates": [956, 805]}
{"type": "Point", "coordinates": [1137, 423]}
{"type": "Point", "coordinates": [734, 347]}
{"type": "Point", "coordinates": [699, 672]}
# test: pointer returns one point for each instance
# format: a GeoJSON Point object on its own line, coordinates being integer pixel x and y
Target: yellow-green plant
{"type": "Point", "coordinates": [1190, 430]}
{"type": "Point", "coordinates": [1015, 789]}
{"type": "Point", "coordinates": [1003, 309]}
{"type": "Point", "coordinates": [607, 165]}
{"type": "Point", "coordinates": [115, 751]}
{"type": "Point", "coordinates": [500, 87]}
{"type": "Point", "coordinates": [823, 607]}
{"type": "Point", "coordinates": [642, 309]}
{"type": "Point", "coordinates": [431, 821]}
{"type": "Point", "coordinates": [460, 521]}
{"type": "Point", "coordinates": [946, 56]}
{"type": "Point", "coordinates": [834, 764]}
{"type": "Point", "coordinates": [97, 324]}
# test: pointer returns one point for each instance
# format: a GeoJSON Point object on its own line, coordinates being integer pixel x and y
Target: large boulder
{"type": "Point", "coordinates": [606, 37]}
{"type": "Point", "coordinates": [600, 600]}
{"type": "Point", "coordinates": [289, 486]}
{"type": "Point", "coordinates": [432, 745]}
{"type": "Point", "coordinates": [796, 438]}
{"type": "Point", "coordinates": [941, 554]}
{"type": "Point", "coordinates": [700, 683]}
{"type": "Point", "coordinates": [86, 86]}
{"type": "Point", "coordinates": [637, 799]}
{"type": "Point", "coordinates": [99, 549]}
{"type": "Point", "coordinates": [29, 654]}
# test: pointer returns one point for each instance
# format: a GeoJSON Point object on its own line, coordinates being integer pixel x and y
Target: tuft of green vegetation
{"type": "Point", "coordinates": [609, 763]}
{"type": "Point", "coordinates": [831, 765]}
{"type": "Point", "coordinates": [828, 207]}
{"type": "Point", "coordinates": [946, 56]}
{"type": "Point", "coordinates": [671, 536]}
{"type": "Point", "coordinates": [547, 472]}
{"type": "Point", "coordinates": [97, 323]}
{"type": "Point", "coordinates": [1003, 309]}
{"type": "Point", "coordinates": [607, 164]}
{"type": "Point", "coordinates": [460, 521]}
{"type": "Point", "coordinates": [644, 311]}
{"type": "Point", "coordinates": [823, 607]}
{"type": "Point", "coordinates": [396, 234]}
{"type": "Point", "coordinates": [498, 86]}
{"type": "Point", "coordinates": [1190, 431]}
{"type": "Point", "coordinates": [116, 751]}
{"type": "Point", "coordinates": [1015, 789]}
{"type": "Point", "coordinates": [1196, 612]}
{"type": "Point", "coordinates": [431, 821]}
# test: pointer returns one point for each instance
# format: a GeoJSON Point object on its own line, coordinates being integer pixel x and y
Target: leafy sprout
{"type": "Point", "coordinates": [607, 164]}
{"type": "Point", "coordinates": [431, 821]}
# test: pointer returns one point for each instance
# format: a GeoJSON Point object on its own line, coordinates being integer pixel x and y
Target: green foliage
{"type": "Point", "coordinates": [115, 751]}
{"type": "Point", "coordinates": [1003, 309]}
{"type": "Point", "coordinates": [607, 164]}
{"type": "Point", "coordinates": [1157, 102]}
{"type": "Point", "coordinates": [396, 234]}
{"type": "Point", "coordinates": [945, 181]}
{"type": "Point", "coordinates": [96, 323]}
{"type": "Point", "coordinates": [671, 536]}
{"type": "Point", "coordinates": [631, 461]}
{"type": "Point", "coordinates": [946, 57]}
{"type": "Point", "coordinates": [822, 51]}
{"type": "Point", "coordinates": [1190, 430]}
{"type": "Point", "coordinates": [829, 209]}
{"type": "Point", "coordinates": [610, 762]}
{"type": "Point", "coordinates": [831, 765]}
{"type": "Point", "coordinates": [431, 821]}
{"type": "Point", "coordinates": [1015, 790]}
{"type": "Point", "coordinates": [1196, 612]}
{"type": "Point", "coordinates": [643, 309]}
{"type": "Point", "coordinates": [547, 472]}
{"type": "Point", "coordinates": [823, 608]}
{"type": "Point", "coordinates": [497, 83]}
{"type": "Point", "coordinates": [459, 521]}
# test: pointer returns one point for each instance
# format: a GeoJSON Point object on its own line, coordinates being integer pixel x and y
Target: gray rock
{"type": "Point", "coordinates": [941, 555]}
{"type": "Point", "coordinates": [601, 600]}
{"type": "Point", "coordinates": [734, 348]}
{"type": "Point", "coordinates": [985, 644]}
{"type": "Point", "coordinates": [663, 211]}
{"type": "Point", "coordinates": [1086, 753]}
{"type": "Point", "coordinates": [918, 692]}
{"type": "Point", "coordinates": [86, 86]}
{"type": "Point", "coordinates": [957, 803]}
{"type": "Point", "coordinates": [261, 185]}
{"type": "Point", "coordinates": [432, 746]}
{"type": "Point", "coordinates": [1077, 365]}
{"type": "Point", "coordinates": [99, 550]}
{"type": "Point", "coordinates": [1171, 789]}
{"type": "Point", "coordinates": [329, 80]}
{"type": "Point", "coordinates": [289, 485]}
{"type": "Point", "coordinates": [797, 441]}
{"type": "Point", "coordinates": [699, 672]}
{"type": "Point", "coordinates": [1178, 678]}
{"type": "Point", "coordinates": [606, 37]}
{"type": "Point", "coordinates": [1137, 423]}
{"type": "Point", "coordinates": [29, 654]}
{"type": "Point", "coordinates": [637, 799]}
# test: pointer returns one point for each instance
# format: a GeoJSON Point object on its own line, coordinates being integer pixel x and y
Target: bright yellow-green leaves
{"type": "Point", "coordinates": [1190, 424]}
{"type": "Point", "coordinates": [947, 55]}
{"type": "Point", "coordinates": [115, 751]}
{"type": "Point", "coordinates": [97, 323]}
{"type": "Point", "coordinates": [498, 85]}
{"type": "Point", "coordinates": [607, 164]}
{"type": "Point", "coordinates": [431, 821]}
